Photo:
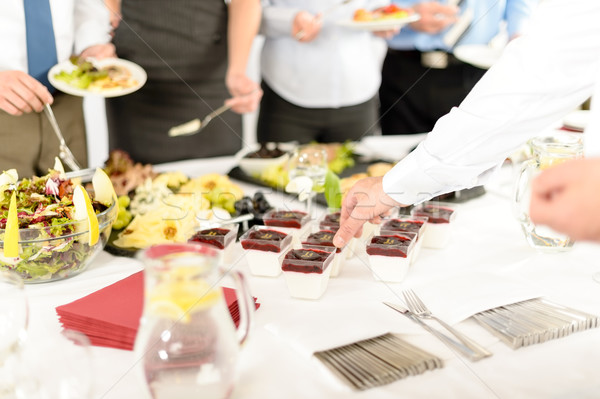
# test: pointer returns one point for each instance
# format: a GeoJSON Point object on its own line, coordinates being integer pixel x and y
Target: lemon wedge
{"type": "Point", "coordinates": [11, 233]}
{"type": "Point", "coordinates": [85, 211]}
{"type": "Point", "coordinates": [178, 299]}
{"type": "Point", "coordinates": [104, 191]}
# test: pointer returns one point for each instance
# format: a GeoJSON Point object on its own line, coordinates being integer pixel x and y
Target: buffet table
{"type": "Point", "coordinates": [276, 363]}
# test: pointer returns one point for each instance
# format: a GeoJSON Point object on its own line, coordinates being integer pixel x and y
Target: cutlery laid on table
{"type": "Point", "coordinates": [418, 308]}
{"type": "Point", "coordinates": [458, 346]}
{"type": "Point", "coordinates": [64, 152]}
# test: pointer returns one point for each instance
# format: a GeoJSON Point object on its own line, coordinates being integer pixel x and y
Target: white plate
{"type": "Point", "coordinates": [479, 55]}
{"type": "Point", "coordinates": [577, 120]}
{"type": "Point", "coordinates": [384, 24]}
{"type": "Point", "coordinates": [137, 73]}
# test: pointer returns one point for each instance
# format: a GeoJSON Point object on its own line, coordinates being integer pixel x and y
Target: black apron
{"type": "Point", "coordinates": [182, 45]}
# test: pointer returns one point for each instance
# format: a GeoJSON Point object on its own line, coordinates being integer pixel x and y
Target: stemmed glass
{"type": "Point", "coordinates": [14, 316]}
{"type": "Point", "coordinates": [310, 161]}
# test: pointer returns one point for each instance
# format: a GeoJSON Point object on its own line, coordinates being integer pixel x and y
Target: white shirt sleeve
{"type": "Point", "coordinates": [541, 77]}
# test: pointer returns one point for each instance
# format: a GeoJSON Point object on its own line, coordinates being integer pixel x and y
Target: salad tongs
{"type": "Point", "coordinates": [64, 152]}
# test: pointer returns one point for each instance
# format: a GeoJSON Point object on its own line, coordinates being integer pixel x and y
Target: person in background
{"type": "Point", "coordinates": [421, 78]}
{"type": "Point", "coordinates": [320, 80]}
{"type": "Point", "coordinates": [541, 77]}
{"type": "Point", "coordinates": [34, 36]}
{"type": "Point", "coordinates": [195, 54]}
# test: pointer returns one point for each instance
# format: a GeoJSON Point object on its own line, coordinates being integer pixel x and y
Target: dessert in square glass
{"type": "Point", "coordinates": [323, 240]}
{"type": "Point", "coordinates": [389, 255]}
{"type": "Point", "coordinates": [330, 221]}
{"type": "Point", "coordinates": [221, 238]}
{"type": "Point", "coordinates": [440, 218]}
{"type": "Point", "coordinates": [264, 246]}
{"type": "Point", "coordinates": [307, 272]}
{"type": "Point", "coordinates": [294, 223]}
{"type": "Point", "coordinates": [408, 224]}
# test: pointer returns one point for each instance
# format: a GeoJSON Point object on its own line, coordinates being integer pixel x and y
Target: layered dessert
{"type": "Point", "coordinates": [390, 255]}
{"type": "Point", "coordinates": [221, 238]}
{"type": "Point", "coordinates": [264, 246]}
{"type": "Point", "coordinates": [307, 272]}
{"type": "Point", "coordinates": [294, 223]}
{"type": "Point", "coordinates": [408, 224]}
{"type": "Point", "coordinates": [330, 221]}
{"type": "Point", "coordinates": [323, 240]}
{"type": "Point", "coordinates": [440, 217]}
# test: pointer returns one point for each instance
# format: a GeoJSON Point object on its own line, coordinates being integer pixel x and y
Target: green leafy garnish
{"type": "Point", "coordinates": [332, 190]}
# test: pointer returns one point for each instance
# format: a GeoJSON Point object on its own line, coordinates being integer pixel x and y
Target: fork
{"type": "Point", "coordinates": [418, 308]}
{"type": "Point", "coordinates": [196, 125]}
{"type": "Point", "coordinates": [64, 152]}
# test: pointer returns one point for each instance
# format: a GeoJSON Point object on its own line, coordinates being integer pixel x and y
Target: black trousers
{"type": "Point", "coordinates": [414, 97]}
{"type": "Point", "coordinates": [281, 121]}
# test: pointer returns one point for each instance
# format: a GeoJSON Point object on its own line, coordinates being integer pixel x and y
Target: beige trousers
{"type": "Point", "coordinates": [28, 143]}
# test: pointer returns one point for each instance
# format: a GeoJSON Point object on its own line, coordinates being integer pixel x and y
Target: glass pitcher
{"type": "Point", "coordinates": [187, 345]}
{"type": "Point", "coordinates": [547, 151]}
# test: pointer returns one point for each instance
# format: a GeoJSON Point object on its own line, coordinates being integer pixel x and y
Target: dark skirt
{"type": "Point", "coordinates": [182, 45]}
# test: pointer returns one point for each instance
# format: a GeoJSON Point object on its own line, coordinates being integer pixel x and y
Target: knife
{"type": "Point", "coordinates": [451, 343]}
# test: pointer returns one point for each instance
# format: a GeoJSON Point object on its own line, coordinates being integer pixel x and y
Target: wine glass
{"type": "Point", "coordinates": [14, 316]}
{"type": "Point", "coordinates": [310, 161]}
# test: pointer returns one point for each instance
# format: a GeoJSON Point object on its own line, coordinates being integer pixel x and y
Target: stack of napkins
{"type": "Point", "coordinates": [110, 317]}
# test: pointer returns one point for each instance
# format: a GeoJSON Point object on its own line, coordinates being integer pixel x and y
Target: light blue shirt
{"type": "Point", "coordinates": [488, 15]}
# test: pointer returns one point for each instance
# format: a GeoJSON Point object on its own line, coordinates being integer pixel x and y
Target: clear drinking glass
{"type": "Point", "coordinates": [187, 343]}
{"type": "Point", "coordinates": [310, 161]}
{"type": "Point", "coordinates": [14, 316]}
{"type": "Point", "coordinates": [548, 151]}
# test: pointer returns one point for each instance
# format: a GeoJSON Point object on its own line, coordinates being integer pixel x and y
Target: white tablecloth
{"type": "Point", "coordinates": [276, 363]}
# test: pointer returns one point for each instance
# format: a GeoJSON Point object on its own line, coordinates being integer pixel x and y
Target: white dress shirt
{"type": "Point", "coordinates": [340, 67]}
{"type": "Point", "coordinates": [77, 24]}
{"type": "Point", "coordinates": [541, 77]}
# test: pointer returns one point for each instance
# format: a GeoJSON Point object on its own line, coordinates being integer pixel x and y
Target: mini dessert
{"type": "Point", "coordinates": [289, 222]}
{"type": "Point", "coordinates": [323, 240]}
{"type": "Point", "coordinates": [263, 247]}
{"type": "Point", "coordinates": [307, 272]}
{"type": "Point", "coordinates": [389, 255]}
{"type": "Point", "coordinates": [331, 221]}
{"type": "Point", "coordinates": [439, 223]}
{"type": "Point", "coordinates": [408, 224]}
{"type": "Point", "coordinates": [222, 238]}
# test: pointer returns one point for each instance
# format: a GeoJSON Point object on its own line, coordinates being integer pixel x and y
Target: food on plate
{"type": "Point", "coordinates": [307, 272]}
{"type": "Point", "coordinates": [87, 76]}
{"type": "Point", "coordinates": [218, 189]}
{"type": "Point", "coordinates": [391, 11]}
{"type": "Point", "coordinates": [126, 174]}
{"type": "Point", "coordinates": [263, 247]}
{"type": "Point", "coordinates": [439, 223]}
{"type": "Point", "coordinates": [389, 255]}
{"type": "Point", "coordinates": [59, 227]}
{"type": "Point", "coordinates": [323, 240]}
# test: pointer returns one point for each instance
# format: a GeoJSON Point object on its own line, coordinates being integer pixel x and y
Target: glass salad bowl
{"type": "Point", "coordinates": [51, 244]}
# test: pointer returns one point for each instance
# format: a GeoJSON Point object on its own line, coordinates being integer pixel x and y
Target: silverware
{"type": "Point", "coordinates": [196, 125]}
{"type": "Point", "coordinates": [300, 34]}
{"type": "Point", "coordinates": [377, 361]}
{"type": "Point", "coordinates": [64, 152]}
{"type": "Point", "coordinates": [458, 346]}
{"type": "Point", "coordinates": [418, 308]}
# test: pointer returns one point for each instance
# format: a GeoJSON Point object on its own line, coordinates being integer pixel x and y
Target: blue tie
{"type": "Point", "coordinates": [41, 46]}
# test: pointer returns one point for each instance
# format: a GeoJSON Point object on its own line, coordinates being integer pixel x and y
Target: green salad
{"type": "Point", "coordinates": [51, 244]}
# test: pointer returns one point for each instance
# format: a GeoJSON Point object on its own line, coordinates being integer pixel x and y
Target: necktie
{"type": "Point", "coordinates": [41, 46]}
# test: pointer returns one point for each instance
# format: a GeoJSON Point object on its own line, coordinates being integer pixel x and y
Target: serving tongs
{"type": "Point", "coordinates": [64, 152]}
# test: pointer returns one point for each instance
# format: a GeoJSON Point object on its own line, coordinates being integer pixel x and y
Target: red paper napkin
{"type": "Point", "coordinates": [110, 317]}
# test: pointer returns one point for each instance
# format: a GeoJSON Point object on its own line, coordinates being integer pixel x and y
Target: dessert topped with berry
{"type": "Point", "coordinates": [217, 237]}
{"type": "Point", "coordinates": [436, 214]}
{"type": "Point", "coordinates": [322, 238]}
{"type": "Point", "coordinates": [306, 260]}
{"type": "Point", "coordinates": [413, 225]}
{"type": "Point", "coordinates": [331, 222]}
{"type": "Point", "coordinates": [265, 240]}
{"type": "Point", "coordinates": [390, 245]}
{"type": "Point", "coordinates": [284, 218]}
